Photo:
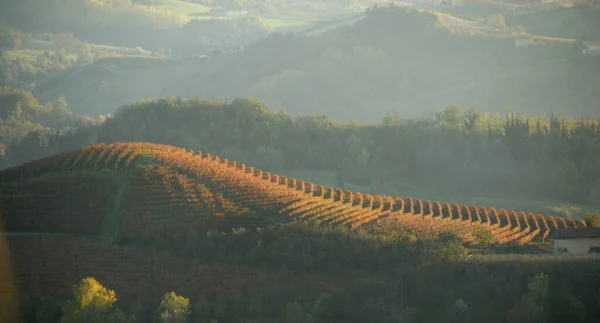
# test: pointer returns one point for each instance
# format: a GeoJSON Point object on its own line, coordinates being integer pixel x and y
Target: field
{"type": "Point", "coordinates": [403, 189]}
{"type": "Point", "coordinates": [191, 192]}
{"type": "Point", "coordinates": [282, 20]}
{"type": "Point", "coordinates": [182, 7]}
{"type": "Point", "coordinates": [32, 48]}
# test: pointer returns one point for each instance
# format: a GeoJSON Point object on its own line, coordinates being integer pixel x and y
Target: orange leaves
{"type": "Point", "coordinates": [247, 187]}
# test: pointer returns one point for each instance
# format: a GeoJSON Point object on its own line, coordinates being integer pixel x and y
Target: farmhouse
{"type": "Point", "coordinates": [576, 241]}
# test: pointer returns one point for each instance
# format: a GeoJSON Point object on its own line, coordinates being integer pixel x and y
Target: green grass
{"type": "Point", "coordinates": [28, 54]}
{"type": "Point", "coordinates": [202, 12]}
{"type": "Point", "coordinates": [189, 9]}
{"type": "Point", "coordinates": [327, 178]}
{"type": "Point", "coordinates": [286, 22]}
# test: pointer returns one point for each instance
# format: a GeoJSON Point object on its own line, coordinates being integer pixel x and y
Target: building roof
{"type": "Point", "coordinates": [575, 233]}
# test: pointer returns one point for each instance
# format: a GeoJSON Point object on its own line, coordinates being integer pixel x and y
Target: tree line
{"type": "Point", "coordinates": [454, 151]}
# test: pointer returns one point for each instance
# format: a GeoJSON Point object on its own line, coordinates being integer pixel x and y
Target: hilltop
{"type": "Point", "coordinates": [145, 219]}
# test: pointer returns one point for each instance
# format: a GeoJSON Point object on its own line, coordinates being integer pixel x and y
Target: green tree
{"type": "Point", "coordinates": [61, 106]}
{"type": "Point", "coordinates": [92, 303]}
{"type": "Point", "coordinates": [538, 287]}
{"type": "Point", "coordinates": [483, 237]}
{"type": "Point", "coordinates": [449, 246]}
{"type": "Point", "coordinates": [531, 306]}
{"type": "Point", "coordinates": [174, 309]}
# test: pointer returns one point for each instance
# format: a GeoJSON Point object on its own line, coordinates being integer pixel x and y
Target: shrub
{"type": "Point", "coordinates": [174, 309]}
{"type": "Point", "coordinates": [483, 237]}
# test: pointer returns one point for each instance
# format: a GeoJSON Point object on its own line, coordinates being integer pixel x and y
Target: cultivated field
{"type": "Point", "coordinates": [165, 190]}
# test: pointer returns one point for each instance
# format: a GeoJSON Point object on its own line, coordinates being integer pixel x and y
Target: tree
{"type": "Point", "coordinates": [538, 287]}
{"type": "Point", "coordinates": [174, 308]}
{"type": "Point", "coordinates": [531, 306]}
{"type": "Point", "coordinates": [449, 246]}
{"type": "Point", "coordinates": [592, 220]}
{"type": "Point", "coordinates": [92, 303]}
{"type": "Point", "coordinates": [61, 106]}
{"type": "Point", "coordinates": [484, 237]}
{"type": "Point", "coordinates": [450, 117]}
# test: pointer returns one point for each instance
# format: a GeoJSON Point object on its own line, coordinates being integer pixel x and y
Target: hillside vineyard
{"type": "Point", "coordinates": [129, 190]}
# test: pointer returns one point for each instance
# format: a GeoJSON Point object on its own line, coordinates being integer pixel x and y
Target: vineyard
{"type": "Point", "coordinates": [52, 264]}
{"type": "Point", "coordinates": [172, 191]}
{"type": "Point", "coordinates": [67, 204]}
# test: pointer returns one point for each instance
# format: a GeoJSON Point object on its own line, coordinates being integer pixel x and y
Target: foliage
{"type": "Point", "coordinates": [92, 303]}
{"type": "Point", "coordinates": [23, 120]}
{"type": "Point", "coordinates": [449, 247]}
{"type": "Point", "coordinates": [483, 237]}
{"type": "Point", "coordinates": [592, 220]}
{"type": "Point", "coordinates": [174, 309]}
{"type": "Point", "coordinates": [10, 38]}
{"type": "Point", "coordinates": [538, 287]}
{"type": "Point", "coordinates": [322, 275]}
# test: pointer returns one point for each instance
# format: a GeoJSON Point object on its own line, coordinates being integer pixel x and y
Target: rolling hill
{"type": "Point", "coordinates": [315, 71]}
{"type": "Point", "coordinates": [139, 190]}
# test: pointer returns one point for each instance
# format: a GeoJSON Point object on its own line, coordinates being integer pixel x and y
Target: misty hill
{"type": "Point", "coordinates": [394, 60]}
{"type": "Point", "coordinates": [130, 24]}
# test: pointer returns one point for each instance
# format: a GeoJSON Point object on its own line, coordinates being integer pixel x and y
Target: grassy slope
{"type": "Point", "coordinates": [186, 8]}
{"type": "Point", "coordinates": [32, 48]}
{"type": "Point", "coordinates": [199, 11]}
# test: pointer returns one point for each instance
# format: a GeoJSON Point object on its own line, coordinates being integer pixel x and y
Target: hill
{"type": "Point", "coordinates": [167, 190]}
{"type": "Point", "coordinates": [396, 51]}
{"type": "Point", "coordinates": [144, 219]}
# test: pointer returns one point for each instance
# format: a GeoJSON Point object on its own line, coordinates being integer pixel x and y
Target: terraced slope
{"type": "Point", "coordinates": [167, 190]}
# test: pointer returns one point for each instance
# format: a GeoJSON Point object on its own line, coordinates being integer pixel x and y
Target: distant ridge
{"type": "Point", "coordinates": [144, 189]}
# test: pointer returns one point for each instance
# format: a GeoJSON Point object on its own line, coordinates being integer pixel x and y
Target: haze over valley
{"type": "Point", "coordinates": [206, 161]}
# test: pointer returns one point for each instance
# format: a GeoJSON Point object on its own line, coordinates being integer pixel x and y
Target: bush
{"type": "Point", "coordinates": [92, 303]}
{"type": "Point", "coordinates": [483, 237]}
{"type": "Point", "coordinates": [174, 309]}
